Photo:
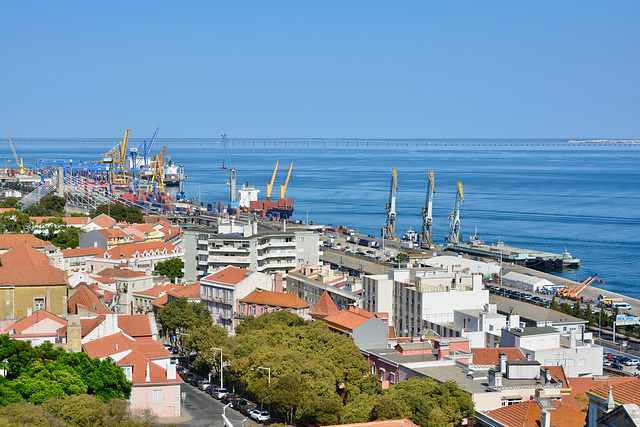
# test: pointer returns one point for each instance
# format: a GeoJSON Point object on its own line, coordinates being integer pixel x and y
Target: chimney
{"type": "Point", "coordinates": [503, 363]}
{"type": "Point", "coordinates": [545, 419]}
{"type": "Point", "coordinates": [495, 378]}
{"type": "Point", "coordinates": [148, 376]}
{"type": "Point", "coordinates": [547, 376]}
{"type": "Point", "coordinates": [572, 338]}
{"type": "Point", "coordinates": [255, 227]}
{"type": "Point", "coordinates": [284, 225]}
{"type": "Point", "coordinates": [171, 371]}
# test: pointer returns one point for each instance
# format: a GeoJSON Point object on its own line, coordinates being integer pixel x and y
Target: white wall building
{"type": "Point", "coordinates": [377, 291]}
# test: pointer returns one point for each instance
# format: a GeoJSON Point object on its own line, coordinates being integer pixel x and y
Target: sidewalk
{"type": "Point", "coordinates": [184, 418]}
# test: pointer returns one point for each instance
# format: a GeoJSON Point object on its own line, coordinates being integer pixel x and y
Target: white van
{"type": "Point", "coordinates": [621, 306]}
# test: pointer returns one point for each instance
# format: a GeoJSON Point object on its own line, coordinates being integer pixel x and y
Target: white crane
{"type": "Point", "coordinates": [427, 214]}
{"type": "Point", "coordinates": [454, 218]}
{"type": "Point", "coordinates": [389, 230]}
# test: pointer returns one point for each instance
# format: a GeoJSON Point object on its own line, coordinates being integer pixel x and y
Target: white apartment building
{"type": "Point", "coordinates": [432, 296]}
{"type": "Point", "coordinates": [309, 283]}
{"type": "Point", "coordinates": [272, 251]}
{"type": "Point", "coordinates": [377, 291]}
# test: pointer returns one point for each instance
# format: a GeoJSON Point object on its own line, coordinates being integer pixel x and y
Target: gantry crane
{"type": "Point", "coordinates": [145, 150]}
{"type": "Point", "coordinates": [454, 218]}
{"type": "Point", "coordinates": [283, 188]}
{"type": "Point", "coordinates": [116, 157]}
{"type": "Point", "coordinates": [389, 230]}
{"type": "Point", "coordinates": [427, 214]}
{"type": "Point", "coordinates": [157, 169]}
{"type": "Point", "coordinates": [15, 155]}
{"type": "Point", "coordinates": [270, 186]}
{"type": "Point", "coordinates": [233, 194]}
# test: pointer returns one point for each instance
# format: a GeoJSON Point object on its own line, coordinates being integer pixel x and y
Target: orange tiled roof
{"type": "Point", "coordinates": [109, 233]}
{"type": "Point", "coordinates": [387, 423]}
{"type": "Point", "coordinates": [229, 275]}
{"type": "Point", "coordinates": [348, 319]}
{"type": "Point", "coordinates": [142, 249]}
{"type": "Point", "coordinates": [275, 299]}
{"type": "Point", "coordinates": [23, 255]}
{"type": "Point", "coordinates": [528, 414]}
{"type": "Point", "coordinates": [627, 392]}
{"type": "Point", "coordinates": [140, 364]}
{"type": "Point", "coordinates": [88, 325]}
{"type": "Point", "coordinates": [104, 221]}
{"type": "Point", "coordinates": [161, 301]}
{"type": "Point", "coordinates": [69, 253]}
{"type": "Point", "coordinates": [491, 356]}
{"type": "Point", "coordinates": [108, 346]}
{"type": "Point", "coordinates": [135, 325]}
{"type": "Point", "coordinates": [189, 291]}
{"type": "Point", "coordinates": [86, 298]}
{"type": "Point", "coordinates": [325, 306]}
{"type": "Point", "coordinates": [33, 276]}
{"type": "Point", "coordinates": [158, 289]}
{"type": "Point", "coordinates": [8, 241]}
{"type": "Point", "coordinates": [579, 386]}
{"type": "Point", "coordinates": [104, 280]}
{"type": "Point", "coordinates": [36, 317]}
{"type": "Point", "coordinates": [122, 273]}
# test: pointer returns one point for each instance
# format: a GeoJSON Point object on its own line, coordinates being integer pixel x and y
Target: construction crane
{"type": "Point", "coordinates": [389, 230]}
{"type": "Point", "coordinates": [427, 214]}
{"type": "Point", "coordinates": [283, 188]}
{"type": "Point", "coordinates": [15, 155]}
{"type": "Point", "coordinates": [157, 169]}
{"type": "Point", "coordinates": [116, 157]}
{"type": "Point", "coordinates": [454, 218]}
{"type": "Point", "coordinates": [574, 292]}
{"type": "Point", "coordinates": [233, 194]}
{"type": "Point", "coordinates": [270, 186]}
{"type": "Point", "coordinates": [145, 150]}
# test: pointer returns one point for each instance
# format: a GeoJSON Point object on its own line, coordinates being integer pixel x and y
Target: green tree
{"type": "Point", "coordinates": [119, 212]}
{"type": "Point", "coordinates": [59, 233]}
{"type": "Point", "coordinates": [9, 202]}
{"type": "Point", "coordinates": [49, 205]}
{"type": "Point", "coordinates": [15, 222]}
{"type": "Point", "coordinates": [170, 268]}
{"type": "Point", "coordinates": [577, 310]}
{"type": "Point", "coordinates": [554, 304]}
{"type": "Point", "coordinates": [179, 316]}
{"type": "Point", "coordinates": [202, 340]}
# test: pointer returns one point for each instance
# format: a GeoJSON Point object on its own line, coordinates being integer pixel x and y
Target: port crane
{"type": "Point", "coordinates": [233, 194]}
{"type": "Point", "coordinates": [270, 185]}
{"type": "Point", "coordinates": [157, 168]}
{"type": "Point", "coordinates": [15, 155]}
{"type": "Point", "coordinates": [573, 292]}
{"type": "Point", "coordinates": [389, 230]}
{"type": "Point", "coordinates": [116, 157]}
{"type": "Point", "coordinates": [283, 188]}
{"type": "Point", "coordinates": [427, 215]}
{"type": "Point", "coordinates": [454, 218]}
{"type": "Point", "coordinates": [145, 150]}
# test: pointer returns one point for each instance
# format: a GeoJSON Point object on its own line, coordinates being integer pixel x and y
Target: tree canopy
{"type": "Point", "coordinates": [35, 374]}
{"type": "Point", "coordinates": [59, 233]}
{"type": "Point", "coordinates": [49, 205]}
{"type": "Point", "coordinates": [170, 268]}
{"type": "Point", "coordinates": [15, 221]}
{"type": "Point", "coordinates": [119, 212]}
{"type": "Point", "coordinates": [179, 316]}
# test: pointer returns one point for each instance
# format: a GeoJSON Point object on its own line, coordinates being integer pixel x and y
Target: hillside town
{"type": "Point", "coordinates": [436, 321]}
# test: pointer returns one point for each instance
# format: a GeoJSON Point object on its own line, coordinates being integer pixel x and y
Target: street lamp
{"type": "Point", "coordinates": [307, 217]}
{"type": "Point", "coordinates": [221, 371]}
{"type": "Point", "coordinates": [266, 369]}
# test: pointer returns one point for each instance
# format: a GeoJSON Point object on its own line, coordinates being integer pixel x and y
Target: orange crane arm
{"type": "Point", "coordinates": [283, 188]}
{"type": "Point", "coordinates": [270, 186]}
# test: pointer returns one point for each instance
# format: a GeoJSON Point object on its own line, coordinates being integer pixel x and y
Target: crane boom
{"type": "Point", "coordinates": [270, 186]}
{"type": "Point", "coordinates": [389, 230]}
{"type": "Point", "coordinates": [283, 188]}
{"type": "Point", "coordinates": [427, 214]}
{"type": "Point", "coordinates": [454, 226]}
{"type": "Point", "coordinates": [15, 155]}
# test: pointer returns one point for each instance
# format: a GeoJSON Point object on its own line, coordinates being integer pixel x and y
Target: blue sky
{"type": "Point", "coordinates": [362, 69]}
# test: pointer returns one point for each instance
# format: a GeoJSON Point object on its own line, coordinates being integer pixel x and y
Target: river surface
{"type": "Point", "coordinates": [583, 198]}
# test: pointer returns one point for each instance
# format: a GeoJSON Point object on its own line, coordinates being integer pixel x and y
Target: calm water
{"type": "Point", "coordinates": [582, 198]}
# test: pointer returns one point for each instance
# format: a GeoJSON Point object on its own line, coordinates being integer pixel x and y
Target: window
{"type": "Point", "coordinates": [127, 372]}
{"type": "Point", "coordinates": [157, 396]}
{"type": "Point", "coordinates": [373, 369]}
{"type": "Point", "coordinates": [382, 374]}
{"type": "Point", "coordinates": [38, 304]}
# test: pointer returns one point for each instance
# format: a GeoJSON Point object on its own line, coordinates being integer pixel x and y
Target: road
{"type": "Point", "coordinates": [204, 410]}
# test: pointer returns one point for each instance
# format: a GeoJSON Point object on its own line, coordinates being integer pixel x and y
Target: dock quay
{"type": "Point", "coordinates": [524, 257]}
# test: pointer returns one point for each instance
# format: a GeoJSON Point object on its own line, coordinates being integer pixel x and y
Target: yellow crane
{"type": "Point", "coordinates": [157, 169]}
{"type": "Point", "coordinates": [117, 156]}
{"type": "Point", "coordinates": [283, 188]}
{"type": "Point", "coordinates": [270, 186]}
{"type": "Point", "coordinates": [15, 155]}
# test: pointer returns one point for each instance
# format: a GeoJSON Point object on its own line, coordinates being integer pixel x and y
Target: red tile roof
{"type": "Point", "coordinates": [108, 346]}
{"type": "Point", "coordinates": [528, 414]}
{"type": "Point", "coordinates": [104, 221]}
{"type": "Point", "coordinates": [189, 291]}
{"type": "Point", "coordinates": [69, 253]}
{"type": "Point", "coordinates": [36, 317]}
{"type": "Point", "coordinates": [324, 307]}
{"type": "Point", "coordinates": [388, 423]}
{"type": "Point", "coordinates": [348, 319]}
{"type": "Point", "coordinates": [229, 275]}
{"type": "Point", "coordinates": [8, 241]}
{"type": "Point", "coordinates": [88, 325]}
{"type": "Point", "coordinates": [141, 249]}
{"type": "Point", "coordinates": [579, 387]}
{"type": "Point", "coordinates": [86, 298]}
{"type": "Point", "coordinates": [121, 273]}
{"type": "Point", "coordinates": [491, 356]}
{"type": "Point", "coordinates": [135, 325]}
{"type": "Point", "coordinates": [158, 289]}
{"type": "Point", "coordinates": [161, 301]}
{"type": "Point", "coordinates": [627, 392]}
{"type": "Point", "coordinates": [37, 275]}
{"type": "Point", "coordinates": [23, 255]}
{"type": "Point", "coordinates": [274, 299]}
{"type": "Point", "coordinates": [140, 364]}
{"type": "Point", "coordinates": [111, 233]}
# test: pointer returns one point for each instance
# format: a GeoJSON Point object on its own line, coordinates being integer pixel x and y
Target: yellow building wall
{"type": "Point", "coordinates": [15, 301]}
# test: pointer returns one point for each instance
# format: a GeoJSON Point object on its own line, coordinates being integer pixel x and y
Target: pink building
{"type": "Point", "coordinates": [260, 301]}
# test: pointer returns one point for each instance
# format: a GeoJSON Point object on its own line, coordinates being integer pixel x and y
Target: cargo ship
{"type": "Point", "coordinates": [530, 258]}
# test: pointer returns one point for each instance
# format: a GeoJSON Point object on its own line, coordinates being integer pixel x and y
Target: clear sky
{"type": "Point", "coordinates": [352, 69]}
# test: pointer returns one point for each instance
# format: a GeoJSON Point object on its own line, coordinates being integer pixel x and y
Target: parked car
{"type": "Point", "coordinates": [607, 362]}
{"type": "Point", "coordinates": [202, 385]}
{"type": "Point", "coordinates": [219, 393]}
{"type": "Point", "coordinates": [608, 355]}
{"type": "Point", "coordinates": [238, 404]}
{"type": "Point", "coordinates": [632, 362]}
{"type": "Point", "coordinates": [227, 398]}
{"type": "Point", "coordinates": [247, 409]}
{"type": "Point", "coordinates": [617, 366]}
{"type": "Point", "coordinates": [263, 416]}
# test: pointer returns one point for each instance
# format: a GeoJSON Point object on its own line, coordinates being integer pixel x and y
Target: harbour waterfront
{"type": "Point", "coordinates": [540, 196]}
